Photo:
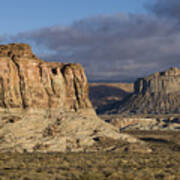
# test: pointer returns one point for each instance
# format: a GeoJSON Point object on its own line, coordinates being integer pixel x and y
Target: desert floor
{"type": "Point", "coordinates": [120, 163]}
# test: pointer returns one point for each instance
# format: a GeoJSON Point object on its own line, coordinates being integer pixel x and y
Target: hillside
{"type": "Point", "coordinates": [102, 94]}
{"type": "Point", "coordinates": [156, 94]}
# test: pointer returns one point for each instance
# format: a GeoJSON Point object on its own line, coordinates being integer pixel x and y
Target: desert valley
{"type": "Point", "coordinates": [90, 90]}
{"type": "Point", "coordinates": [49, 129]}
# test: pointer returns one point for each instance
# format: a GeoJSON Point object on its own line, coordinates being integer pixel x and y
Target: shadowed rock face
{"type": "Point", "coordinates": [28, 82]}
{"type": "Point", "coordinates": [103, 94]}
{"type": "Point", "coordinates": [156, 94]}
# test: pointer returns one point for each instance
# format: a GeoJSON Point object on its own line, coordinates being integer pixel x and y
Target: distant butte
{"type": "Point", "coordinates": [158, 93]}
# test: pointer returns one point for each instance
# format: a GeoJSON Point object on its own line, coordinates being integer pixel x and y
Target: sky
{"type": "Point", "coordinates": [114, 40]}
{"type": "Point", "coordinates": [20, 15]}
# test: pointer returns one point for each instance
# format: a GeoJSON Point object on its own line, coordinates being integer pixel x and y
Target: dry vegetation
{"type": "Point", "coordinates": [120, 163]}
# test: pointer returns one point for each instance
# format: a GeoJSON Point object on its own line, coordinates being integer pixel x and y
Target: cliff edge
{"type": "Point", "coordinates": [158, 93]}
{"type": "Point", "coordinates": [28, 82]}
{"type": "Point", "coordinates": [44, 106]}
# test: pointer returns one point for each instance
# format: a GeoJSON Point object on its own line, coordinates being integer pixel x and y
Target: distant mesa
{"type": "Point", "coordinates": [158, 93]}
{"type": "Point", "coordinates": [103, 94]}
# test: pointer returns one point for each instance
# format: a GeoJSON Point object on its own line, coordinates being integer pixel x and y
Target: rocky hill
{"type": "Point", "coordinates": [103, 94]}
{"type": "Point", "coordinates": [45, 107]}
{"type": "Point", "coordinates": [158, 93]}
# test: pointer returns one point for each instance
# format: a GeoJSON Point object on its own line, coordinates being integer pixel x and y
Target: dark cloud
{"type": "Point", "coordinates": [165, 8]}
{"type": "Point", "coordinates": [116, 47]}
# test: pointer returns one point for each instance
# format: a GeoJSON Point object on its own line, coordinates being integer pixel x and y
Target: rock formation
{"type": "Point", "coordinates": [28, 82]}
{"type": "Point", "coordinates": [103, 94]}
{"type": "Point", "coordinates": [144, 123]}
{"type": "Point", "coordinates": [45, 107]}
{"type": "Point", "coordinates": [157, 94]}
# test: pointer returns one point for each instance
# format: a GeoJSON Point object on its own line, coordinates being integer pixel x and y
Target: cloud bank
{"type": "Point", "coordinates": [119, 47]}
{"type": "Point", "coordinates": [165, 8]}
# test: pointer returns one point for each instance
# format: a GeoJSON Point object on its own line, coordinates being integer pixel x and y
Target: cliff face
{"type": "Point", "coordinates": [28, 82]}
{"type": "Point", "coordinates": [45, 106]}
{"type": "Point", "coordinates": [156, 94]}
{"type": "Point", "coordinates": [159, 83]}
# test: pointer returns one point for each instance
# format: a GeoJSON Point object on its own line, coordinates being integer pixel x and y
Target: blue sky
{"type": "Point", "coordinates": [23, 15]}
{"type": "Point", "coordinates": [114, 40]}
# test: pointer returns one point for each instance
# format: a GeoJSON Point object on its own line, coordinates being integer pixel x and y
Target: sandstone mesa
{"type": "Point", "coordinates": [44, 106]}
{"type": "Point", "coordinates": [158, 93]}
{"type": "Point", "coordinates": [28, 82]}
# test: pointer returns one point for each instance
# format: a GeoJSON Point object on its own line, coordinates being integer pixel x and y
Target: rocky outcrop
{"type": "Point", "coordinates": [44, 107]}
{"type": "Point", "coordinates": [166, 82]}
{"type": "Point", "coordinates": [28, 82]}
{"type": "Point", "coordinates": [55, 131]}
{"type": "Point", "coordinates": [156, 94]}
{"type": "Point", "coordinates": [149, 123]}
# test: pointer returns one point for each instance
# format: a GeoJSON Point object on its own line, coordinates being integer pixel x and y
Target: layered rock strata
{"type": "Point", "coordinates": [28, 82]}
{"type": "Point", "coordinates": [156, 94]}
{"type": "Point", "coordinates": [45, 106]}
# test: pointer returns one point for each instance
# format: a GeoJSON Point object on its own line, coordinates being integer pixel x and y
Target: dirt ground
{"type": "Point", "coordinates": [120, 164]}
